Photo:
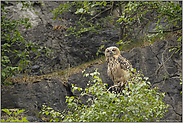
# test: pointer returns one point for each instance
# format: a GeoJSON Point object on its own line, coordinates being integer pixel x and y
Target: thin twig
{"type": "Point", "coordinates": [112, 7]}
{"type": "Point", "coordinates": [152, 32]}
{"type": "Point", "coordinates": [99, 13]}
{"type": "Point", "coordinates": [163, 63]}
{"type": "Point", "coordinates": [115, 86]}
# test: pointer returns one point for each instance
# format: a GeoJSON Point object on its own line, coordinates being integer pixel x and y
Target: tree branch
{"type": "Point", "coordinates": [153, 32]}
{"type": "Point", "coordinates": [163, 64]}
{"type": "Point", "coordinates": [99, 13]}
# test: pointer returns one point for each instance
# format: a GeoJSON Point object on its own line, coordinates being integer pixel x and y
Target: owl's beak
{"type": "Point", "coordinates": [110, 54]}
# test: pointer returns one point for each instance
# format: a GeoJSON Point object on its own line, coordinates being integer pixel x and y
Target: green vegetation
{"type": "Point", "coordinates": [14, 116]}
{"type": "Point", "coordinates": [139, 104]}
{"type": "Point", "coordinates": [132, 18]}
{"type": "Point", "coordinates": [130, 14]}
{"type": "Point", "coordinates": [11, 37]}
{"type": "Point", "coordinates": [13, 45]}
{"type": "Point", "coordinates": [66, 73]}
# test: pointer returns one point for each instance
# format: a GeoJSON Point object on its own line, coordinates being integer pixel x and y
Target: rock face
{"type": "Point", "coordinates": [155, 62]}
{"type": "Point", "coordinates": [31, 96]}
{"type": "Point", "coordinates": [147, 59]}
{"type": "Point", "coordinates": [67, 51]}
{"type": "Point", "coordinates": [163, 70]}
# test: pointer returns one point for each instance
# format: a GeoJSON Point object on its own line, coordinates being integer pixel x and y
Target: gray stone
{"type": "Point", "coordinates": [53, 92]}
{"type": "Point", "coordinates": [33, 95]}
{"type": "Point", "coordinates": [35, 67]}
{"type": "Point", "coordinates": [70, 52]}
{"type": "Point", "coordinates": [145, 60]}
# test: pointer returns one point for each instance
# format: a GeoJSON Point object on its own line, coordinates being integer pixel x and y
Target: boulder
{"type": "Point", "coordinates": [149, 60]}
{"type": "Point", "coordinates": [146, 59]}
{"type": "Point", "coordinates": [31, 96]}
{"type": "Point", "coordinates": [68, 51]}
{"type": "Point", "coordinates": [155, 61]}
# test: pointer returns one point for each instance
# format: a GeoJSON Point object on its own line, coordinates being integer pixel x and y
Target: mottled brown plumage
{"type": "Point", "coordinates": [118, 66]}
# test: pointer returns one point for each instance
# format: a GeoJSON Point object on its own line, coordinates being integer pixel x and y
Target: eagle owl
{"type": "Point", "coordinates": [117, 66]}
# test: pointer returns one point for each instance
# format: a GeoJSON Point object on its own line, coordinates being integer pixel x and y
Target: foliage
{"type": "Point", "coordinates": [176, 50]}
{"type": "Point", "coordinates": [133, 20]}
{"type": "Point", "coordinates": [99, 50]}
{"type": "Point", "coordinates": [13, 45]}
{"type": "Point", "coordinates": [139, 104]}
{"type": "Point", "coordinates": [53, 115]}
{"type": "Point", "coordinates": [131, 16]}
{"type": "Point", "coordinates": [14, 116]}
{"type": "Point", "coordinates": [82, 24]}
{"type": "Point", "coordinates": [181, 82]}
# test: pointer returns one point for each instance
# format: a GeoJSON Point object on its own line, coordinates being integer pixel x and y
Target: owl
{"type": "Point", "coordinates": [118, 67]}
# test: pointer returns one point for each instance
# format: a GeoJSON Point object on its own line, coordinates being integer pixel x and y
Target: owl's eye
{"type": "Point", "coordinates": [107, 51]}
{"type": "Point", "coordinates": [113, 50]}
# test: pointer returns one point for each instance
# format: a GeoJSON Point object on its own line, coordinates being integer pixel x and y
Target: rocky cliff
{"type": "Point", "coordinates": [67, 51]}
{"type": "Point", "coordinates": [147, 59]}
{"type": "Point", "coordinates": [155, 61]}
{"type": "Point", "coordinates": [162, 68]}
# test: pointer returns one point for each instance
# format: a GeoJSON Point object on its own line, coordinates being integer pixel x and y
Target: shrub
{"type": "Point", "coordinates": [14, 116]}
{"type": "Point", "coordinates": [13, 45]}
{"type": "Point", "coordinates": [10, 39]}
{"type": "Point", "coordinates": [132, 18]}
{"type": "Point", "coordinates": [139, 104]}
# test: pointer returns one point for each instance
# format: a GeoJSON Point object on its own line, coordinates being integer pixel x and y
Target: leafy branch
{"type": "Point", "coordinates": [137, 102]}
{"type": "Point", "coordinates": [13, 45]}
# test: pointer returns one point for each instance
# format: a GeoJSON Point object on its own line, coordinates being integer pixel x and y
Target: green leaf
{"type": "Point", "coordinates": [175, 23]}
{"type": "Point", "coordinates": [26, 19]}
{"type": "Point", "coordinates": [10, 119]}
{"type": "Point", "coordinates": [179, 39]}
{"type": "Point", "coordinates": [56, 119]}
{"type": "Point", "coordinates": [28, 25]}
{"type": "Point", "coordinates": [120, 47]}
{"type": "Point", "coordinates": [7, 111]}
{"type": "Point", "coordinates": [20, 111]}
{"type": "Point", "coordinates": [46, 112]}
{"type": "Point", "coordinates": [3, 120]}
{"type": "Point", "coordinates": [15, 114]}
{"type": "Point", "coordinates": [14, 40]}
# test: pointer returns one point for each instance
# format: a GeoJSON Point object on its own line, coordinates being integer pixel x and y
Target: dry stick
{"type": "Point", "coordinates": [99, 13]}
{"type": "Point", "coordinates": [112, 7]}
{"type": "Point", "coordinates": [115, 86]}
{"type": "Point", "coordinates": [163, 64]}
{"type": "Point", "coordinates": [112, 87]}
{"type": "Point", "coordinates": [153, 32]}
{"type": "Point", "coordinates": [167, 59]}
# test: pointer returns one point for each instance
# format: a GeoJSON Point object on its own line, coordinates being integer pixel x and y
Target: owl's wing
{"type": "Point", "coordinates": [125, 64]}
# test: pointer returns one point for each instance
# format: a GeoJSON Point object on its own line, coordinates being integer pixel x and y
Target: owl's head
{"type": "Point", "coordinates": [112, 51]}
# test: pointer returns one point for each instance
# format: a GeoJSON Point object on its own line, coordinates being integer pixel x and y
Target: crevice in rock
{"type": "Point", "coordinates": [69, 51]}
{"type": "Point", "coordinates": [174, 76]}
{"type": "Point", "coordinates": [156, 55]}
{"type": "Point", "coordinates": [42, 13]}
{"type": "Point", "coordinates": [156, 82]}
{"type": "Point", "coordinates": [172, 104]}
